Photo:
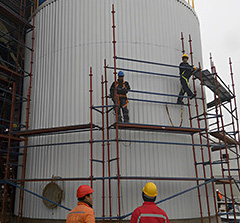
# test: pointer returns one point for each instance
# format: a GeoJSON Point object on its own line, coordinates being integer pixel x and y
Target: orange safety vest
{"type": "Point", "coordinates": [83, 213]}
{"type": "Point", "coordinates": [122, 95]}
{"type": "Point", "coordinates": [219, 195]}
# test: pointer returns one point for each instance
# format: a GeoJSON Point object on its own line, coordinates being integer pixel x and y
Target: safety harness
{"type": "Point", "coordinates": [169, 117]}
{"type": "Point", "coordinates": [121, 95]}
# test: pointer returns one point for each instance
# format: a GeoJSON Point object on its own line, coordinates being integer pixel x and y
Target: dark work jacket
{"type": "Point", "coordinates": [122, 89]}
{"type": "Point", "coordinates": [186, 70]}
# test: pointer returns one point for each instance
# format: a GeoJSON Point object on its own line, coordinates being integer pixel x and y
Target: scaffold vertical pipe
{"type": "Point", "coordinates": [21, 196]}
{"type": "Point", "coordinates": [103, 153]}
{"type": "Point", "coordinates": [116, 109]}
{"type": "Point", "coordinates": [208, 143]}
{"type": "Point", "coordinates": [108, 144]}
{"type": "Point", "coordinates": [193, 148]}
{"type": "Point", "coordinates": [235, 137]}
{"type": "Point", "coordinates": [225, 142]}
{"type": "Point", "coordinates": [218, 127]}
{"type": "Point", "coordinates": [182, 39]}
{"type": "Point", "coordinates": [236, 113]}
{"type": "Point", "coordinates": [5, 192]}
{"type": "Point", "coordinates": [91, 126]}
{"type": "Point", "coordinates": [195, 163]}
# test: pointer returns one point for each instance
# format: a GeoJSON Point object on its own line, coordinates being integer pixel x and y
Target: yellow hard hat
{"type": "Point", "coordinates": [150, 190]}
{"type": "Point", "coordinates": [185, 55]}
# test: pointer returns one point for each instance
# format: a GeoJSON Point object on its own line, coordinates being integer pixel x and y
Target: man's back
{"type": "Point", "coordinates": [81, 214]}
{"type": "Point", "coordinates": [149, 212]}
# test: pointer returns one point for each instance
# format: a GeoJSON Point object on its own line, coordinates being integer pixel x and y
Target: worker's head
{"type": "Point", "coordinates": [149, 192]}
{"type": "Point", "coordinates": [120, 75]}
{"type": "Point", "coordinates": [185, 58]}
{"type": "Point", "coordinates": [85, 194]}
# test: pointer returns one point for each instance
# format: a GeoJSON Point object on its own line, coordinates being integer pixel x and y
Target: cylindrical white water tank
{"type": "Point", "coordinates": [71, 36]}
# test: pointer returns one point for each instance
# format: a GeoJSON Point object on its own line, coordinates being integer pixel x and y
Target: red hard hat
{"type": "Point", "coordinates": [83, 190]}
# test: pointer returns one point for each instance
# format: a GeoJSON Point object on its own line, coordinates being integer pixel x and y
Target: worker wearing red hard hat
{"type": "Point", "coordinates": [83, 213]}
{"type": "Point", "coordinates": [149, 211]}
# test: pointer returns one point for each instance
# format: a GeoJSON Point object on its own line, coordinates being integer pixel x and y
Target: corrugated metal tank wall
{"type": "Point", "coordinates": [71, 36]}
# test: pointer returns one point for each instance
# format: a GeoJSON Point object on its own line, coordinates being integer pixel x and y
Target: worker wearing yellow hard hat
{"type": "Point", "coordinates": [186, 71]}
{"type": "Point", "coordinates": [149, 211]}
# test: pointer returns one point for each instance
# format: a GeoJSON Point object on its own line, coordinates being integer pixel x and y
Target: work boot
{"type": "Point", "coordinates": [180, 102]}
{"type": "Point", "coordinates": [120, 119]}
{"type": "Point", "coordinates": [193, 96]}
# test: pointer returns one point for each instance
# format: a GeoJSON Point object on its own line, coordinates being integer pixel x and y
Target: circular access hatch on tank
{"type": "Point", "coordinates": [53, 192]}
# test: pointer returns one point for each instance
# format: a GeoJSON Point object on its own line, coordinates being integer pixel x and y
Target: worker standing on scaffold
{"type": "Point", "coordinates": [186, 72]}
{"type": "Point", "coordinates": [122, 89]}
{"type": "Point", "coordinates": [149, 211]}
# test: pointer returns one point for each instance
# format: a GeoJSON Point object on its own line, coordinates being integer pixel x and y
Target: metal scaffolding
{"type": "Point", "coordinates": [228, 141]}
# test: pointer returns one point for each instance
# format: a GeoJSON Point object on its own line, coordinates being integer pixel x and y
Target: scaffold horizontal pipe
{"type": "Point", "coordinates": [10, 92]}
{"type": "Point", "coordinates": [14, 39]}
{"type": "Point", "coordinates": [156, 102]}
{"type": "Point", "coordinates": [16, 67]}
{"type": "Point", "coordinates": [37, 195]}
{"type": "Point", "coordinates": [106, 218]}
{"type": "Point", "coordinates": [163, 143]}
{"type": "Point", "coordinates": [144, 72]}
{"type": "Point", "coordinates": [5, 120]}
{"type": "Point", "coordinates": [62, 144]}
{"type": "Point", "coordinates": [149, 62]}
{"type": "Point", "coordinates": [103, 106]}
{"type": "Point", "coordinates": [13, 153]}
{"type": "Point", "coordinates": [161, 94]}
{"type": "Point", "coordinates": [115, 178]}
{"type": "Point", "coordinates": [208, 114]}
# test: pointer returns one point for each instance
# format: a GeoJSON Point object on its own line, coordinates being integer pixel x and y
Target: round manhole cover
{"type": "Point", "coordinates": [53, 192]}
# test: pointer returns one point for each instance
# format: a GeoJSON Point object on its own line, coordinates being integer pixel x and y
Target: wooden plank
{"type": "Point", "coordinates": [53, 130]}
{"type": "Point", "coordinates": [153, 128]}
{"type": "Point", "coordinates": [220, 135]}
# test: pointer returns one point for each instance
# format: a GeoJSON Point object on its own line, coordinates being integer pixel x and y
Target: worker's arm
{"type": "Point", "coordinates": [127, 86]}
{"type": "Point", "coordinates": [112, 90]}
{"type": "Point", "coordinates": [90, 217]}
{"type": "Point", "coordinates": [185, 67]}
{"type": "Point", "coordinates": [135, 216]}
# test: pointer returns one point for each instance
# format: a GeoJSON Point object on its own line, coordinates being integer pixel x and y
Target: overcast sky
{"type": "Point", "coordinates": [220, 30]}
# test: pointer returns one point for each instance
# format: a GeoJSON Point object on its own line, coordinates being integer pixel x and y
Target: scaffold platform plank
{"type": "Point", "coordinates": [224, 181]}
{"type": "Point", "coordinates": [159, 128]}
{"type": "Point", "coordinates": [220, 135]}
{"type": "Point", "coordinates": [54, 130]}
{"type": "Point", "coordinates": [208, 79]}
{"type": "Point", "coordinates": [5, 11]}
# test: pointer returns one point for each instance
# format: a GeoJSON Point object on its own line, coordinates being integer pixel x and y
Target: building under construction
{"type": "Point", "coordinates": [58, 60]}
